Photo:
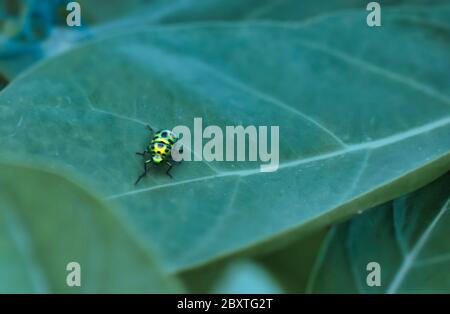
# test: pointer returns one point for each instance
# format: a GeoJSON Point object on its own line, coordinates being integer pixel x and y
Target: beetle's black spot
{"type": "Point", "coordinates": [164, 134]}
{"type": "Point", "coordinates": [160, 145]}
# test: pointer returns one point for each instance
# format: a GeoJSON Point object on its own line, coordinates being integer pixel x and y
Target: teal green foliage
{"type": "Point", "coordinates": [364, 118]}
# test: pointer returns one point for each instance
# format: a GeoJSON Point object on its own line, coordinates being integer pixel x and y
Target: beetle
{"type": "Point", "coordinates": [159, 150]}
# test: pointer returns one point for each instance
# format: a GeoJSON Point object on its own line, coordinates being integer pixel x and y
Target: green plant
{"type": "Point", "coordinates": [363, 113]}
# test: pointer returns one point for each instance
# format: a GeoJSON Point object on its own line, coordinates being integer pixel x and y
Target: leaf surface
{"type": "Point", "coordinates": [47, 222]}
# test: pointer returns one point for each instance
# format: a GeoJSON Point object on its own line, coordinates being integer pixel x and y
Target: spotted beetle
{"type": "Point", "coordinates": [159, 150]}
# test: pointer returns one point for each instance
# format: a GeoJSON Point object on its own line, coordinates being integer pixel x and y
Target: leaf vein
{"type": "Point", "coordinates": [413, 84]}
{"type": "Point", "coordinates": [410, 258]}
{"type": "Point", "coordinates": [353, 148]}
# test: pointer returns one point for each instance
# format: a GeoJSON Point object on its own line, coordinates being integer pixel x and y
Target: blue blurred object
{"type": "Point", "coordinates": [24, 24]}
{"type": "Point", "coordinates": [246, 277]}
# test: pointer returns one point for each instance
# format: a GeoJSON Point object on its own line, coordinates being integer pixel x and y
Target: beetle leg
{"type": "Point", "coordinates": [168, 170]}
{"type": "Point", "coordinates": [142, 175]}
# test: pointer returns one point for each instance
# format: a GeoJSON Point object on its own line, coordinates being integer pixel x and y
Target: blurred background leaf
{"type": "Point", "coordinates": [47, 221]}
{"type": "Point", "coordinates": [25, 26]}
{"type": "Point", "coordinates": [31, 30]}
{"type": "Point", "coordinates": [407, 237]}
{"type": "Point", "coordinates": [194, 11]}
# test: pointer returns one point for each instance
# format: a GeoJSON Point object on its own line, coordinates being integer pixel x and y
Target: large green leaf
{"type": "Point", "coordinates": [364, 117]}
{"type": "Point", "coordinates": [407, 237]}
{"type": "Point", "coordinates": [47, 221]}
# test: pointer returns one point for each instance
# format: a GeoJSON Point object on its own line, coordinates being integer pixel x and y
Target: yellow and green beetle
{"type": "Point", "coordinates": [159, 150]}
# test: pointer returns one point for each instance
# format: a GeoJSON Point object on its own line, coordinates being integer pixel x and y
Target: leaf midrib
{"type": "Point", "coordinates": [370, 145]}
